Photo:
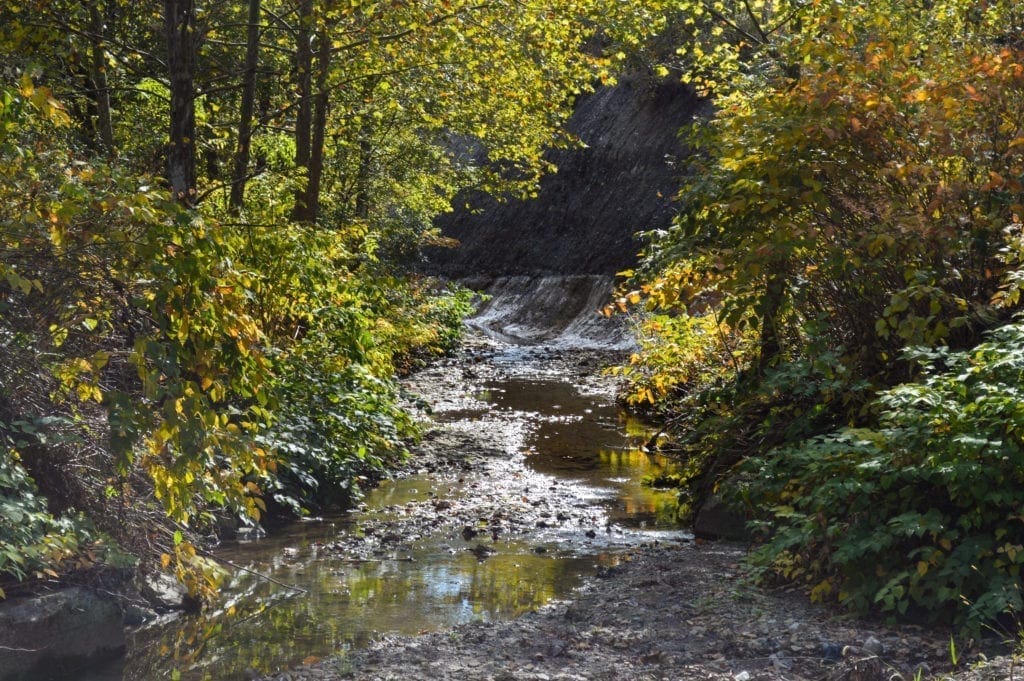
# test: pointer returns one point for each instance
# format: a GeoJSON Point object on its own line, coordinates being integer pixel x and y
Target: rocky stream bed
{"type": "Point", "coordinates": [660, 604]}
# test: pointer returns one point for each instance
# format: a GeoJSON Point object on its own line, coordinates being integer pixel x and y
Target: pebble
{"type": "Point", "coordinates": [873, 646]}
{"type": "Point", "coordinates": [831, 651]}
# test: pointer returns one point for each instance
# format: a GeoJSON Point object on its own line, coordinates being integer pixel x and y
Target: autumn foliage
{"type": "Point", "coordinates": [859, 190]}
{"type": "Point", "coordinates": [209, 214]}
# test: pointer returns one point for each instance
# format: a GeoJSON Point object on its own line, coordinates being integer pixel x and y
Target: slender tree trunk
{"type": "Point", "coordinates": [179, 18]}
{"type": "Point", "coordinates": [364, 173]}
{"type": "Point", "coordinates": [242, 153]}
{"type": "Point", "coordinates": [771, 305]}
{"type": "Point", "coordinates": [319, 137]}
{"type": "Point", "coordinates": [101, 89]}
{"type": "Point", "coordinates": [304, 112]}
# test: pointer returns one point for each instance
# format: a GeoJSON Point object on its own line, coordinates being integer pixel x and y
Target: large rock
{"type": "Point", "coordinates": [716, 519]}
{"type": "Point", "coordinates": [163, 592]}
{"type": "Point", "coordinates": [53, 635]}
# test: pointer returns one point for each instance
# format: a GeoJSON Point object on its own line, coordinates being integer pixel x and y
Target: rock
{"type": "Point", "coordinates": [780, 662]}
{"type": "Point", "coordinates": [715, 519]}
{"type": "Point", "coordinates": [468, 533]}
{"type": "Point", "coordinates": [163, 592]}
{"type": "Point", "coordinates": [226, 526]}
{"type": "Point", "coordinates": [481, 552]}
{"type": "Point", "coordinates": [831, 651]}
{"type": "Point", "coordinates": [250, 533]}
{"type": "Point", "coordinates": [873, 646]}
{"type": "Point", "coordinates": [56, 634]}
{"type": "Point", "coordinates": [135, 616]}
{"type": "Point", "coordinates": [742, 676]}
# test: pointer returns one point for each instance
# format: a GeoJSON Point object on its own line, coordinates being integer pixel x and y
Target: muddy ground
{"type": "Point", "coordinates": [673, 608]}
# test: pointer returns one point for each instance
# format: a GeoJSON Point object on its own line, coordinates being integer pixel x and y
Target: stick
{"type": "Point", "coordinates": [253, 572]}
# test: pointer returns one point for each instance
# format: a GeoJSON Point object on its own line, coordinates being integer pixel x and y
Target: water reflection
{"type": "Point", "coordinates": [347, 605]}
{"type": "Point", "coordinates": [569, 439]}
{"type": "Point", "coordinates": [586, 438]}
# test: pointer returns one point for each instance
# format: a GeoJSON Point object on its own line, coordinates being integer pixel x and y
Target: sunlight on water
{"type": "Point", "coordinates": [560, 437]}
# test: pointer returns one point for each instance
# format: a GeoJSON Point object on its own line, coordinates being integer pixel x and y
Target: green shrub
{"type": "Point", "coordinates": [31, 540]}
{"type": "Point", "coordinates": [922, 512]}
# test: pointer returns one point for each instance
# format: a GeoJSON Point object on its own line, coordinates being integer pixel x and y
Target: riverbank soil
{"type": "Point", "coordinates": [661, 605]}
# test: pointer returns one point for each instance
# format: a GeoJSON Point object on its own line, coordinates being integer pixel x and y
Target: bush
{"type": "Point", "coordinates": [31, 540]}
{"type": "Point", "coordinates": [923, 511]}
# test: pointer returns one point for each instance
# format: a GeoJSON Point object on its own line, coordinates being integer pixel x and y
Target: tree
{"type": "Point", "coordinates": [836, 213]}
{"type": "Point", "coordinates": [182, 36]}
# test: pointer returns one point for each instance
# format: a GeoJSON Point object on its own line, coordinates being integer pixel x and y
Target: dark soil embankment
{"type": "Point", "coordinates": [586, 216]}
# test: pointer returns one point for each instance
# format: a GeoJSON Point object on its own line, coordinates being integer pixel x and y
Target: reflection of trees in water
{"type": "Point", "coordinates": [345, 606]}
{"type": "Point", "coordinates": [635, 498]}
{"type": "Point", "coordinates": [348, 603]}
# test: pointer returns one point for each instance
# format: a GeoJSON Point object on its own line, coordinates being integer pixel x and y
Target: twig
{"type": "Point", "coordinates": [252, 572]}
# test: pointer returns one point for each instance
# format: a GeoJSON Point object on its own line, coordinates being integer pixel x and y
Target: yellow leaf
{"type": "Point", "coordinates": [165, 559]}
{"type": "Point", "coordinates": [922, 567]}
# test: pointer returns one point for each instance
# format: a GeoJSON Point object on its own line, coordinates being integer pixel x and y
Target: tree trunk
{"type": "Point", "coordinates": [771, 305]}
{"type": "Point", "coordinates": [304, 112]}
{"type": "Point", "coordinates": [319, 137]}
{"type": "Point", "coordinates": [364, 173]}
{"type": "Point", "coordinates": [101, 89]}
{"type": "Point", "coordinates": [179, 18]}
{"type": "Point", "coordinates": [242, 153]}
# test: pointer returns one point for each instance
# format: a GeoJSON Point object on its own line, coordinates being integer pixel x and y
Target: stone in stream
{"type": "Point", "coordinates": [163, 592]}
{"type": "Point", "coordinates": [481, 552]}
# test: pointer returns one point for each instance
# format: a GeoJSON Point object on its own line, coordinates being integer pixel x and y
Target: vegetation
{"type": "Point", "coordinates": [858, 191]}
{"type": "Point", "coordinates": [209, 213]}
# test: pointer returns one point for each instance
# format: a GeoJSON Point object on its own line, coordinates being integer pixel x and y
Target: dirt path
{"type": "Point", "coordinates": [675, 610]}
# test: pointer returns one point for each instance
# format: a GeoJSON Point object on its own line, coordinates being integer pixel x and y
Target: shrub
{"type": "Point", "coordinates": [31, 540]}
{"type": "Point", "coordinates": [923, 511]}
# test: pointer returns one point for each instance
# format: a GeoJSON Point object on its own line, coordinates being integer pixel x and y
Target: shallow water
{"type": "Point", "coordinates": [557, 436]}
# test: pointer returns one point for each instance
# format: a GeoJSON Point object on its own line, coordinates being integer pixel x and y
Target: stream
{"type": "Point", "coordinates": [528, 480]}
